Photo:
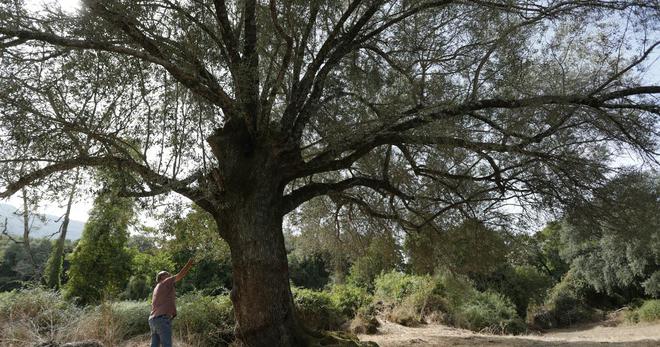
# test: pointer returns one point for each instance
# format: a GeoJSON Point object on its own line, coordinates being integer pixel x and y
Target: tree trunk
{"type": "Point", "coordinates": [261, 293]}
{"type": "Point", "coordinates": [249, 193]}
{"type": "Point", "coordinates": [26, 235]}
{"type": "Point", "coordinates": [247, 189]}
{"type": "Point", "coordinates": [54, 265]}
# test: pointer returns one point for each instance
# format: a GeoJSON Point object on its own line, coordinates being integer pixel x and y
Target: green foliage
{"type": "Point", "coordinates": [144, 267]}
{"type": "Point", "coordinates": [468, 248]}
{"type": "Point", "coordinates": [382, 255]}
{"type": "Point", "coordinates": [394, 287]}
{"type": "Point", "coordinates": [522, 284]}
{"type": "Point", "coordinates": [39, 307]}
{"type": "Point", "coordinates": [644, 311]}
{"type": "Point", "coordinates": [547, 248]}
{"type": "Point", "coordinates": [613, 240]}
{"type": "Point", "coordinates": [450, 297]}
{"type": "Point", "coordinates": [455, 289]}
{"type": "Point", "coordinates": [316, 309]}
{"type": "Point", "coordinates": [196, 235]}
{"type": "Point", "coordinates": [137, 288]}
{"type": "Point", "coordinates": [652, 285]}
{"type": "Point", "coordinates": [648, 312]}
{"type": "Point", "coordinates": [100, 263]}
{"type": "Point", "coordinates": [16, 267]}
{"type": "Point", "coordinates": [130, 315]}
{"type": "Point", "coordinates": [205, 319]}
{"type": "Point", "coordinates": [349, 298]}
{"type": "Point", "coordinates": [492, 312]}
{"type": "Point", "coordinates": [567, 304]}
{"type": "Point", "coordinates": [308, 271]}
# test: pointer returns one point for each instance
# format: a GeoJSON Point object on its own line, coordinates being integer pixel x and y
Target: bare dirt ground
{"type": "Point", "coordinates": [613, 333]}
{"type": "Point", "coordinates": [601, 334]}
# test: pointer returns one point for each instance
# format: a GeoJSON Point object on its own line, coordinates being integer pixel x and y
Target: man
{"type": "Point", "coordinates": [163, 306]}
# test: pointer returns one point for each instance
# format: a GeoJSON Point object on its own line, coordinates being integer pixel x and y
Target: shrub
{"type": "Point", "coordinates": [365, 321]}
{"type": "Point", "coordinates": [132, 317]}
{"type": "Point", "coordinates": [403, 296]}
{"type": "Point", "coordinates": [649, 311]}
{"type": "Point", "coordinates": [41, 306]}
{"type": "Point", "coordinates": [34, 315]}
{"type": "Point", "coordinates": [455, 290]}
{"type": "Point", "coordinates": [207, 320]}
{"type": "Point", "coordinates": [566, 305]}
{"type": "Point", "coordinates": [138, 288]}
{"type": "Point", "coordinates": [492, 312]}
{"type": "Point", "coordinates": [393, 287]}
{"type": "Point", "coordinates": [449, 298]}
{"type": "Point", "coordinates": [382, 255]}
{"type": "Point", "coordinates": [524, 285]}
{"type": "Point", "coordinates": [316, 310]}
{"type": "Point", "coordinates": [411, 298]}
{"type": "Point", "coordinates": [348, 298]}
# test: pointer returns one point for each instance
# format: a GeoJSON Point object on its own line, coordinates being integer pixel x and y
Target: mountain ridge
{"type": "Point", "coordinates": [49, 227]}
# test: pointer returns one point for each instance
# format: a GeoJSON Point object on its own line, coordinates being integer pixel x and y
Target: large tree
{"type": "Point", "coordinates": [402, 110]}
{"type": "Point", "coordinates": [613, 240]}
{"type": "Point", "coordinates": [101, 263]}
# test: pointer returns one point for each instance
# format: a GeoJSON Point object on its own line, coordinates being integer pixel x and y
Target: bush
{"type": "Point", "coordinates": [206, 320]}
{"type": "Point", "coordinates": [316, 310]}
{"type": "Point", "coordinates": [132, 317]}
{"type": "Point", "coordinates": [36, 315]}
{"type": "Point", "coordinates": [348, 298]}
{"type": "Point", "coordinates": [524, 285]}
{"type": "Point", "coordinates": [382, 255]}
{"type": "Point", "coordinates": [412, 299]}
{"type": "Point", "coordinates": [492, 312]}
{"type": "Point", "coordinates": [41, 306]}
{"type": "Point", "coordinates": [452, 299]}
{"type": "Point", "coordinates": [138, 288]}
{"type": "Point", "coordinates": [365, 321]}
{"type": "Point", "coordinates": [455, 291]}
{"type": "Point", "coordinates": [33, 315]}
{"type": "Point", "coordinates": [393, 287]}
{"type": "Point", "coordinates": [649, 311]}
{"type": "Point", "coordinates": [566, 305]}
{"type": "Point", "coordinates": [404, 295]}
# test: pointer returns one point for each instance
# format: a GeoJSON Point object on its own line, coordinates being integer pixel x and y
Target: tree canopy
{"type": "Point", "coordinates": [409, 111]}
{"type": "Point", "coordinates": [613, 240]}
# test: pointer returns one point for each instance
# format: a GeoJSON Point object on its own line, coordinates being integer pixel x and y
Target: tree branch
{"type": "Point", "coordinates": [179, 186]}
{"type": "Point", "coordinates": [309, 191]}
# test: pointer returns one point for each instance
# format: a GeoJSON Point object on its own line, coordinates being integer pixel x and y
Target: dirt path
{"type": "Point", "coordinates": [391, 334]}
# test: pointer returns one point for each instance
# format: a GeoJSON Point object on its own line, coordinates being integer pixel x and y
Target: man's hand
{"type": "Point", "coordinates": [184, 270]}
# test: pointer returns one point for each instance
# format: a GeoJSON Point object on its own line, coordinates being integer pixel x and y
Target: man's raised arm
{"type": "Point", "coordinates": [184, 270]}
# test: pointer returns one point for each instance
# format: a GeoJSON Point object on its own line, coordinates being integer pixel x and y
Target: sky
{"type": "Point", "coordinates": [67, 5]}
{"type": "Point", "coordinates": [81, 209]}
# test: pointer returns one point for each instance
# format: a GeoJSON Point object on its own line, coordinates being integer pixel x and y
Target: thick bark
{"type": "Point", "coordinates": [249, 192]}
{"type": "Point", "coordinates": [261, 294]}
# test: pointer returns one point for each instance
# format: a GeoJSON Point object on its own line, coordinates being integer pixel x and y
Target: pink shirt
{"type": "Point", "coordinates": [164, 297]}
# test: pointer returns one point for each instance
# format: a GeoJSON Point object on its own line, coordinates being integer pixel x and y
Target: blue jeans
{"type": "Point", "coordinates": [161, 331]}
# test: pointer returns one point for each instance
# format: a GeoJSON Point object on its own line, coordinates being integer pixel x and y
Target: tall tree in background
{"type": "Point", "coordinates": [404, 110]}
{"type": "Point", "coordinates": [613, 240]}
{"type": "Point", "coordinates": [53, 271]}
{"type": "Point", "coordinates": [100, 263]}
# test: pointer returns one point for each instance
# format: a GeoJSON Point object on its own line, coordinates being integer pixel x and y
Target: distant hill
{"type": "Point", "coordinates": [39, 229]}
